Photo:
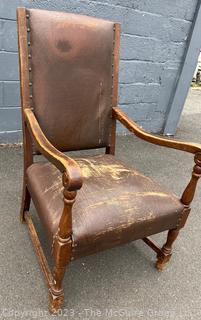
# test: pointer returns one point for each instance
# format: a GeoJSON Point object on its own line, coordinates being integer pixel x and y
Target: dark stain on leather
{"type": "Point", "coordinates": [64, 46]}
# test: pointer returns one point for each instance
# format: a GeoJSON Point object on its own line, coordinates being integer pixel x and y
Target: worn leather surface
{"type": "Point", "coordinates": [115, 205]}
{"type": "Point", "coordinates": [72, 78]}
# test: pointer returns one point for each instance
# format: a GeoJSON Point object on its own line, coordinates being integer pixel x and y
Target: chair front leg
{"type": "Point", "coordinates": [61, 250]}
{"type": "Point", "coordinates": [166, 251]}
{"type": "Point", "coordinates": [62, 256]}
{"type": "Point", "coordinates": [186, 199]}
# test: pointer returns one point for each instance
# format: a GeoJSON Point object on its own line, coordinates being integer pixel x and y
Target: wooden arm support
{"type": "Point", "coordinates": [194, 148]}
{"type": "Point", "coordinates": [140, 133]}
{"type": "Point", "coordinates": [189, 192]}
{"type": "Point", "coordinates": [66, 165]}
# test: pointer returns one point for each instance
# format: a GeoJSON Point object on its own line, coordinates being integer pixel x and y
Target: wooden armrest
{"type": "Point", "coordinates": [61, 161]}
{"type": "Point", "coordinates": [139, 132]}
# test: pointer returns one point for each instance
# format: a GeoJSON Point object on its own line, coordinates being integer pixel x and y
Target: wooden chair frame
{"type": "Point", "coordinates": [72, 180]}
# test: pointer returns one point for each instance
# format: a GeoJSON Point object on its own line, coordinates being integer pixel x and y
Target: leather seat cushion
{"type": "Point", "coordinates": [115, 205]}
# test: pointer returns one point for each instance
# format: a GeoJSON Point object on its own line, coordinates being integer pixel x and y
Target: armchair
{"type": "Point", "coordinates": [69, 90]}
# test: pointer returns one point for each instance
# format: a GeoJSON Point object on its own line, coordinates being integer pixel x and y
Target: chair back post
{"type": "Point", "coordinates": [22, 24]}
{"type": "Point", "coordinates": [25, 103]}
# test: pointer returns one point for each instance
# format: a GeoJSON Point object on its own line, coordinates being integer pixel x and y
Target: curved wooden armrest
{"type": "Point", "coordinates": [139, 132]}
{"type": "Point", "coordinates": [68, 166]}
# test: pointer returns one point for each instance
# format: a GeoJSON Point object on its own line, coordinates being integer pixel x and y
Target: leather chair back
{"type": "Point", "coordinates": [71, 61]}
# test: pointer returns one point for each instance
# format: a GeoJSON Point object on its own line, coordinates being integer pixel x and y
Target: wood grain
{"type": "Point", "coordinates": [59, 159]}
{"type": "Point", "coordinates": [140, 133]}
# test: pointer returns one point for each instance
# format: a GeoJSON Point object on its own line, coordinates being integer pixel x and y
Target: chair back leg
{"type": "Point", "coordinates": [26, 200]}
{"type": "Point", "coordinates": [28, 160]}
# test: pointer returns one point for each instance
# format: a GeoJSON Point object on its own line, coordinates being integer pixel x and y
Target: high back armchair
{"type": "Point", "coordinates": [86, 204]}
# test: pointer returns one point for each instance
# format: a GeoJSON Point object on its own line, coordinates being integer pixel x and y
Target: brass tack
{"type": "Point", "coordinates": [29, 55]}
{"type": "Point", "coordinates": [29, 43]}
{"type": "Point", "coordinates": [28, 29]}
{"type": "Point", "coordinates": [30, 96]}
{"type": "Point", "coordinates": [29, 68]}
{"type": "Point", "coordinates": [30, 84]}
{"type": "Point", "coordinates": [27, 15]}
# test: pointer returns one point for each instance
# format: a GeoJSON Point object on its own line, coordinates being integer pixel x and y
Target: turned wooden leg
{"type": "Point", "coordinates": [186, 199]}
{"type": "Point", "coordinates": [26, 200]}
{"type": "Point", "coordinates": [56, 294]}
{"type": "Point", "coordinates": [166, 252]}
{"type": "Point", "coordinates": [55, 301]}
{"type": "Point", "coordinates": [62, 249]}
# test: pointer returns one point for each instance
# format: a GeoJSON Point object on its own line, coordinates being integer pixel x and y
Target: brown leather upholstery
{"type": "Point", "coordinates": [71, 60]}
{"type": "Point", "coordinates": [115, 205]}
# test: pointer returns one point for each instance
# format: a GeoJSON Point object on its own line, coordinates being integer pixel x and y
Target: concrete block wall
{"type": "Point", "coordinates": [153, 43]}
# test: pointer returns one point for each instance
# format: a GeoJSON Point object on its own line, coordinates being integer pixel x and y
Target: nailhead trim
{"type": "Point", "coordinates": [114, 29]}
{"type": "Point", "coordinates": [29, 59]}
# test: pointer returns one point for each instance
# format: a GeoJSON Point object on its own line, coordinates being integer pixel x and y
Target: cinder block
{"type": "Point", "coordinates": [91, 8]}
{"type": "Point", "coordinates": [11, 93]}
{"type": "Point", "coordinates": [182, 9]}
{"type": "Point", "coordinates": [8, 66]}
{"type": "Point", "coordinates": [139, 93]}
{"type": "Point", "coordinates": [9, 36]}
{"type": "Point", "coordinates": [1, 33]}
{"type": "Point", "coordinates": [168, 84]}
{"type": "Point", "coordinates": [140, 111]}
{"type": "Point", "coordinates": [149, 49]}
{"type": "Point", "coordinates": [140, 48]}
{"type": "Point", "coordinates": [154, 125]}
{"type": "Point", "coordinates": [173, 52]}
{"type": "Point", "coordinates": [148, 25]}
{"type": "Point", "coordinates": [137, 71]}
{"type": "Point", "coordinates": [1, 94]}
{"type": "Point", "coordinates": [170, 29]}
{"type": "Point", "coordinates": [8, 8]}
{"type": "Point", "coordinates": [10, 119]}
{"type": "Point", "coordinates": [106, 12]}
